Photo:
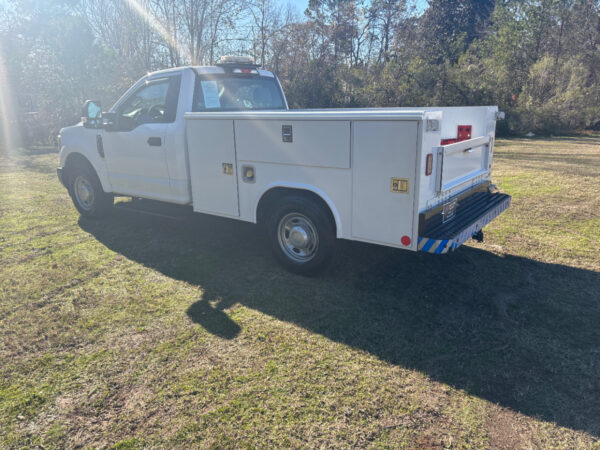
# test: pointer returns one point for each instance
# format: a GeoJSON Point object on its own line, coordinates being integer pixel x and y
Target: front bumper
{"type": "Point", "coordinates": [472, 214]}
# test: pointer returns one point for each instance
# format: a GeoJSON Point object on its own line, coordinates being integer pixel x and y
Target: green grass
{"type": "Point", "coordinates": [137, 331]}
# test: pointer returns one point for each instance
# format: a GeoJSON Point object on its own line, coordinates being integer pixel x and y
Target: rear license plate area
{"type": "Point", "coordinates": [449, 210]}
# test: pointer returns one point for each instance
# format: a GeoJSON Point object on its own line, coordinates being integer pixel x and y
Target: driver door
{"type": "Point", "coordinates": [136, 154]}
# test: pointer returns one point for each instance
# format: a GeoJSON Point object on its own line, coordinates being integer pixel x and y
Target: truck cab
{"type": "Point", "coordinates": [222, 139]}
{"type": "Point", "coordinates": [140, 149]}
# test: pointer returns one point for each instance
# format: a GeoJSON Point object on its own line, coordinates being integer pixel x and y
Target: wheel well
{"type": "Point", "coordinates": [77, 160]}
{"type": "Point", "coordinates": [275, 195]}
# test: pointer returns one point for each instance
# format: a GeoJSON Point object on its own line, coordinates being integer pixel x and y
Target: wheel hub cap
{"type": "Point", "coordinates": [84, 192]}
{"type": "Point", "coordinates": [298, 237]}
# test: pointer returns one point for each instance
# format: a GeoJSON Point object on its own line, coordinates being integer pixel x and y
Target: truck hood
{"type": "Point", "coordinates": [71, 129]}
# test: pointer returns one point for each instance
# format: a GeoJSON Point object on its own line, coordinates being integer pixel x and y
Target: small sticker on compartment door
{"type": "Point", "coordinates": [399, 185]}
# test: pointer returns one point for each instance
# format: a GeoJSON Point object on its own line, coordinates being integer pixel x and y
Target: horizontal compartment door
{"type": "Point", "coordinates": [462, 161]}
{"type": "Point", "coordinates": [312, 143]}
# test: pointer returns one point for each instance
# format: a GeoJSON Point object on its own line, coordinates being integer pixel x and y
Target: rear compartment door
{"type": "Point", "coordinates": [462, 161]}
{"type": "Point", "coordinates": [384, 155]}
{"type": "Point", "coordinates": [212, 157]}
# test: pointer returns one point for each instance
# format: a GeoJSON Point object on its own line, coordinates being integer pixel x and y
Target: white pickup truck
{"type": "Point", "coordinates": [222, 139]}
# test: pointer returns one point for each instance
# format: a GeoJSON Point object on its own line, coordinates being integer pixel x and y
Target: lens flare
{"type": "Point", "coordinates": [147, 16]}
{"type": "Point", "coordinates": [8, 117]}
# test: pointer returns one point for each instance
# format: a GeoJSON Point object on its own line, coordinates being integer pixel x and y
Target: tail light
{"type": "Point", "coordinates": [429, 164]}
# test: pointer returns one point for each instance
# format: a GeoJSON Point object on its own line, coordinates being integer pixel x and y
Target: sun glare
{"type": "Point", "coordinates": [155, 25]}
{"type": "Point", "coordinates": [8, 122]}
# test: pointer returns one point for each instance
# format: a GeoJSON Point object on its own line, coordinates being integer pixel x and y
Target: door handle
{"type": "Point", "coordinates": [155, 141]}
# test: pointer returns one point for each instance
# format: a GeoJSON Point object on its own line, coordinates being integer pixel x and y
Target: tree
{"type": "Point", "coordinates": [537, 59]}
{"type": "Point", "coordinates": [448, 27]}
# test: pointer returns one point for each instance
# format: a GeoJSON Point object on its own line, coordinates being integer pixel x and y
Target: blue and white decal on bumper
{"type": "Point", "coordinates": [440, 246]}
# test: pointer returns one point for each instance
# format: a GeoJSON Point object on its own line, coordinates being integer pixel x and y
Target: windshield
{"type": "Point", "coordinates": [232, 93]}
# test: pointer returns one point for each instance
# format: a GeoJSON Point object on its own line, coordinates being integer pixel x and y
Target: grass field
{"type": "Point", "coordinates": [142, 331]}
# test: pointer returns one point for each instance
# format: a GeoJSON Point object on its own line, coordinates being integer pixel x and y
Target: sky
{"type": "Point", "coordinates": [301, 5]}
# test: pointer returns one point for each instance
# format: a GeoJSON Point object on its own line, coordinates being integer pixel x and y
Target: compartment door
{"type": "Point", "coordinates": [213, 173]}
{"type": "Point", "coordinates": [383, 180]}
{"type": "Point", "coordinates": [462, 161]}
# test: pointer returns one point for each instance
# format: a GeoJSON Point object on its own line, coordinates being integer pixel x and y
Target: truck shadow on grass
{"type": "Point", "coordinates": [514, 331]}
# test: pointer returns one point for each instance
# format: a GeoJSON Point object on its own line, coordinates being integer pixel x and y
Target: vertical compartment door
{"type": "Point", "coordinates": [213, 174]}
{"type": "Point", "coordinates": [383, 180]}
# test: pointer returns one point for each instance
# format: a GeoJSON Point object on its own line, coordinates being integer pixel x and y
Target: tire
{"type": "Point", "coordinates": [302, 235]}
{"type": "Point", "coordinates": [87, 194]}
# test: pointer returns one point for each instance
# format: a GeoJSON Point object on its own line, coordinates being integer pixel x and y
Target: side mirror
{"type": "Point", "coordinates": [92, 114]}
{"type": "Point", "coordinates": [117, 122]}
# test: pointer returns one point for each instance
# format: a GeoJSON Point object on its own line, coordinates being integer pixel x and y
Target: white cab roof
{"type": "Point", "coordinates": [201, 70]}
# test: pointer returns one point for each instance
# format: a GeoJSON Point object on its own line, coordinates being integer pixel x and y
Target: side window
{"type": "Point", "coordinates": [155, 102]}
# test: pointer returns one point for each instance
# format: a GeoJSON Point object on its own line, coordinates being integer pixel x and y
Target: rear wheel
{"type": "Point", "coordinates": [302, 235]}
{"type": "Point", "coordinates": [87, 193]}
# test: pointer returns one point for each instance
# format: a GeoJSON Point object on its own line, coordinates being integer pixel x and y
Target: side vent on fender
{"type": "Point", "coordinates": [100, 146]}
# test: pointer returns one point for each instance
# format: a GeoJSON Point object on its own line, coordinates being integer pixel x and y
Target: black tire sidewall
{"type": "Point", "coordinates": [100, 197]}
{"type": "Point", "coordinates": [324, 227]}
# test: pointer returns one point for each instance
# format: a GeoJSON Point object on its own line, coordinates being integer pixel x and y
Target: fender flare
{"type": "Point", "coordinates": [77, 155]}
{"type": "Point", "coordinates": [302, 187]}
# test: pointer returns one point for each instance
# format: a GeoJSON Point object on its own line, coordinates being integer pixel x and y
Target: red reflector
{"type": "Point", "coordinates": [464, 132]}
{"type": "Point", "coordinates": [429, 164]}
{"type": "Point", "coordinates": [246, 71]}
{"type": "Point", "coordinates": [405, 240]}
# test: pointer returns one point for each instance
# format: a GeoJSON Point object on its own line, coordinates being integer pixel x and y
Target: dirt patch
{"type": "Point", "coordinates": [505, 431]}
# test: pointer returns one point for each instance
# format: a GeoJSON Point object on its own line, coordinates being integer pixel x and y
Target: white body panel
{"type": "Point", "coordinates": [175, 143]}
{"type": "Point", "coordinates": [347, 158]}
{"type": "Point", "coordinates": [125, 149]}
{"type": "Point", "coordinates": [77, 139]}
{"type": "Point", "coordinates": [211, 144]}
{"type": "Point", "coordinates": [483, 121]}
{"type": "Point", "coordinates": [314, 143]}
{"type": "Point", "coordinates": [332, 185]}
{"type": "Point", "coordinates": [378, 214]}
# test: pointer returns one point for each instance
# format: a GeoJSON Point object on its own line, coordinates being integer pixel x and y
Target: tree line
{"type": "Point", "coordinates": [539, 60]}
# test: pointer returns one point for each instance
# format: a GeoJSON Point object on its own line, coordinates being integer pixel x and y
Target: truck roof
{"type": "Point", "coordinates": [204, 70]}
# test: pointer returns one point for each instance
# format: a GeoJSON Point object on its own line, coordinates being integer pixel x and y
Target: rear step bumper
{"type": "Point", "coordinates": [472, 214]}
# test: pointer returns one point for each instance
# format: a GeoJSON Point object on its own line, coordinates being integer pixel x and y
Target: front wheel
{"type": "Point", "coordinates": [302, 235]}
{"type": "Point", "coordinates": [87, 193]}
